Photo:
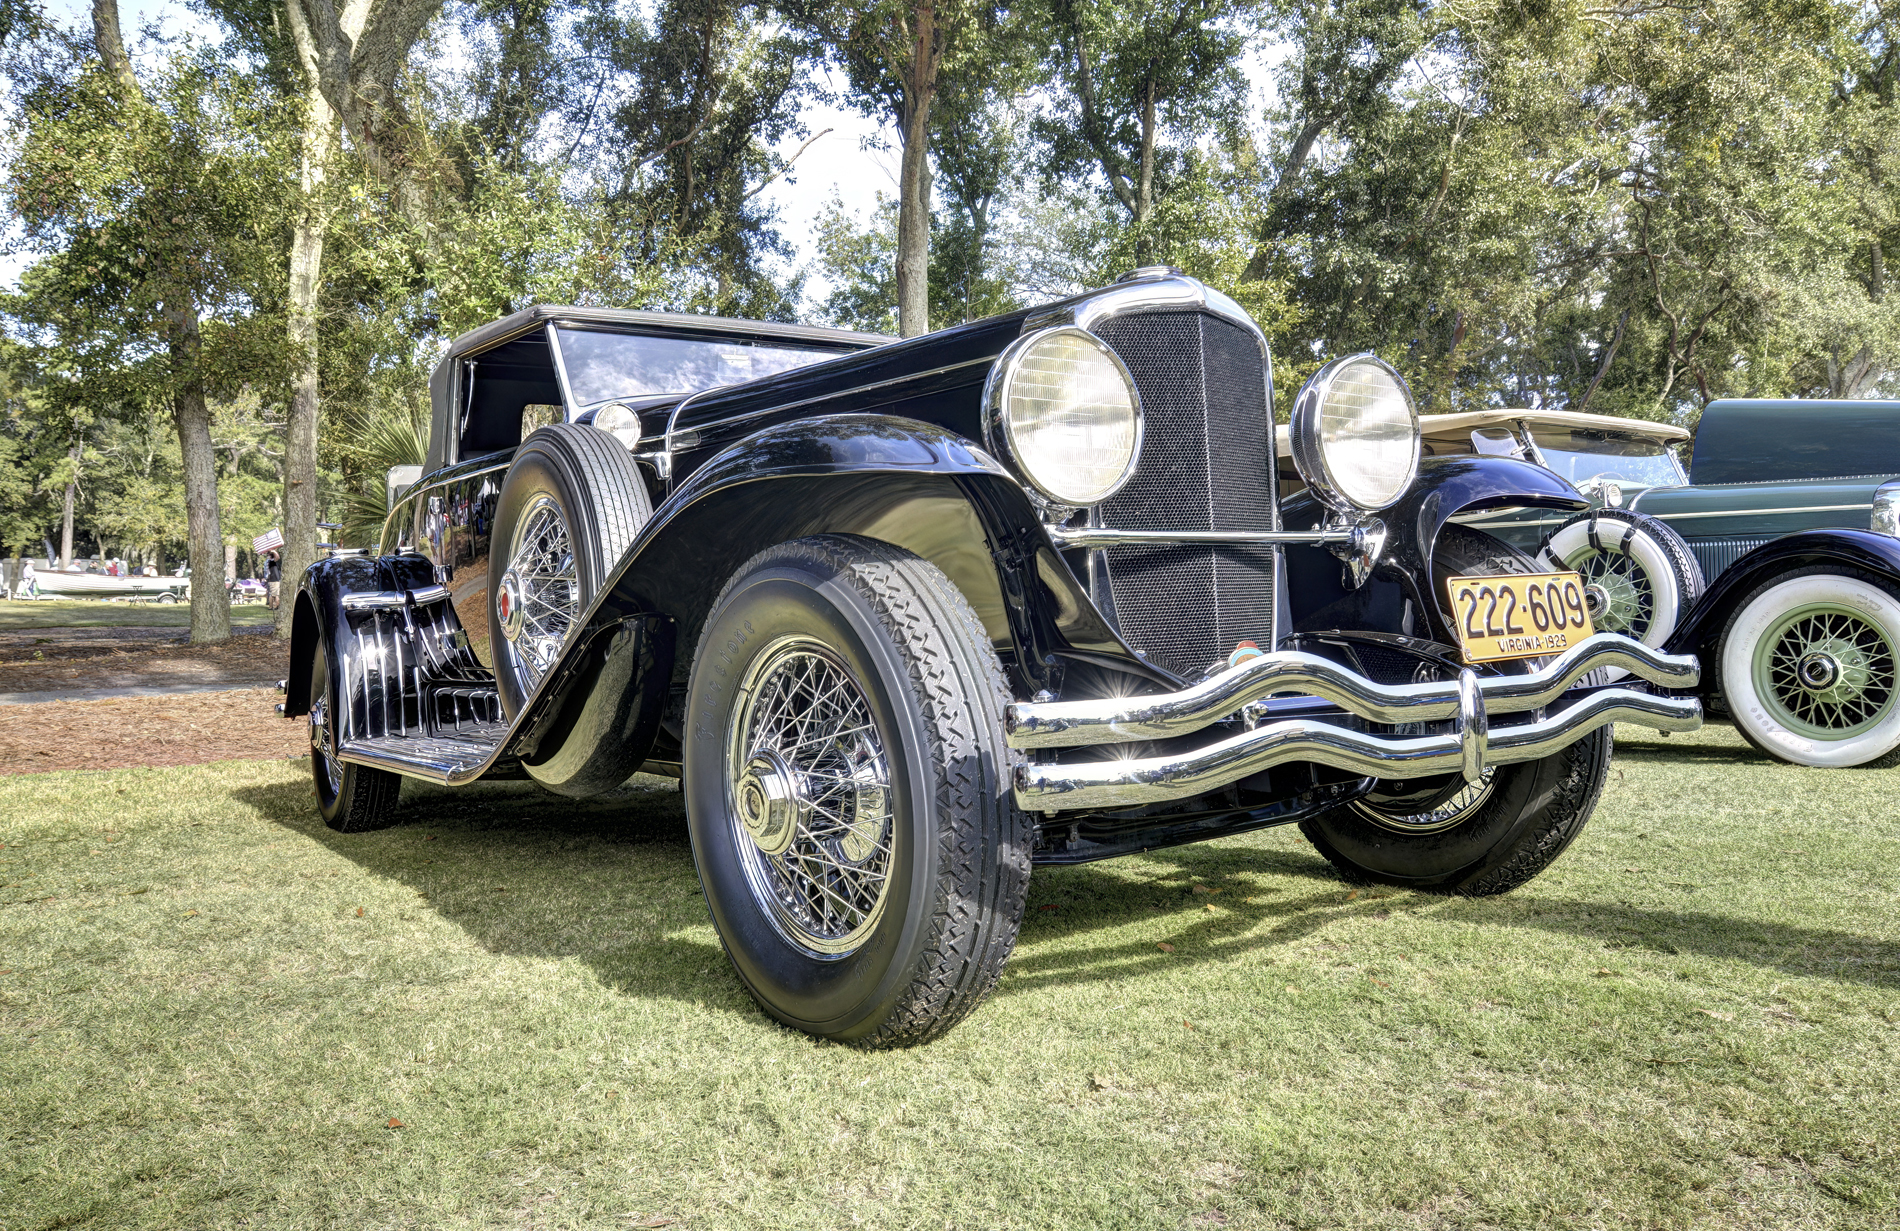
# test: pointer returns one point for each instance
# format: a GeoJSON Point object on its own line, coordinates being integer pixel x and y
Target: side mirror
{"type": "Point", "coordinates": [400, 480]}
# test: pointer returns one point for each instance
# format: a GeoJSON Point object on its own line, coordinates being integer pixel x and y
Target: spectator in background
{"type": "Point", "coordinates": [29, 583]}
{"type": "Point", "coordinates": [273, 580]}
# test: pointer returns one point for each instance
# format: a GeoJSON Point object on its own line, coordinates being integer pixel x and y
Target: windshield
{"type": "Point", "coordinates": [604, 366]}
{"type": "Point", "coordinates": [1581, 454]}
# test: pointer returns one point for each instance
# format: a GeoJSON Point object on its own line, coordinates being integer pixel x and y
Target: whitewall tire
{"type": "Point", "coordinates": [1810, 667]}
{"type": "Point", "coordinates": [1640, 569]}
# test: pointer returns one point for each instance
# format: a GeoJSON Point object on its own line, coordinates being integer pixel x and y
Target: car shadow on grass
{"type": "Point", "coordinates": [612, 883]}
{"type": "Point", "coordinates": [1249, 913]}
{"type": "Point", "coordinates": [525, 873]}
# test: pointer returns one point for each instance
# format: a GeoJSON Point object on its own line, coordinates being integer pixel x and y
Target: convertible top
{"type": "Point", "coordinates": [1464, 421]}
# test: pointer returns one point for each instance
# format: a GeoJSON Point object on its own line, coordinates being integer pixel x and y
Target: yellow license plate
{"type": "Point", "coordinates": [1522, 616]}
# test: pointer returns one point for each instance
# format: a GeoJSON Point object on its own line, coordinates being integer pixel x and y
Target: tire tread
{"type": "Point", "coordinates": [984, 840]}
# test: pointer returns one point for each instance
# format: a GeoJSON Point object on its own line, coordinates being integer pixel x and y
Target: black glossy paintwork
{"type": "Point", "coordinates": [1399, 596]}
{"type": "Point", "coordinates": [915, 485]}
{"type": "Point", "coordinates": [1877, 553]}
{"type": "Point", "coordinates": [1764, 440]}
{"type": "Point", "coordinates": [319, 612]}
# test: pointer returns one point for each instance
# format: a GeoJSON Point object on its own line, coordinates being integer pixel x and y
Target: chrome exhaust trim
{"type": "Point", "coordinates": [1102, 785]}
{"type": "Point", "coordinates": [1068, 724]}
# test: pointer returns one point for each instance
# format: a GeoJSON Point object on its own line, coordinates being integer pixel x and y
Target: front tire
{"type": "Point", "coordinates": [1448, 836]}
{"type": "Point", "coordinates": [1809, 663]}
{"type": "Point", "coordinates": [848, 792]}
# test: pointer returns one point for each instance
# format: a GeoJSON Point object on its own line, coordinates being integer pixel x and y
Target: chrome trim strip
{"type": "Point", "coordinates": [1101, 536]}
{"type": "Point", "coordinates": [374, 600]}
{"type": "Point", "coordinates": [1068, 724]}
{"type": "Point", "coordinates": [1812, 508]}
{"type": "Point", "coordinates": [1156, 780]}
{"type": "Point", "coordinates": [425, 595]}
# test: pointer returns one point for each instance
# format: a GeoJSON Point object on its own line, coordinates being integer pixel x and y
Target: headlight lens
{"type": "Point", "coordinates": [1355, 434]}
{"type": "Point", "coordinates": [1064, 409]}
{"type": "Point", "coordinates": [619, 421]}
{"type": "Point", "coordinates": [1885, 518]}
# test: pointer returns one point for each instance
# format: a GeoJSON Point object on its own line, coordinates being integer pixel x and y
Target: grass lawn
{"type": "Point", "coordinates": [213, 1008]}
{"type": "Point", "coordinates": [105, 613]}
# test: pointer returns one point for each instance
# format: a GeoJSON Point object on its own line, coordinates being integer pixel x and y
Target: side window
{"type": "Point", "coordinates": [508, 392]}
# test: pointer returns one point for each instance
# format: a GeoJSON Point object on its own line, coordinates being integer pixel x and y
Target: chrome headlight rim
{"type": "Point", "coordinates": [999, 430]}
{"type": "Point", "coordinates": [1309, 456]}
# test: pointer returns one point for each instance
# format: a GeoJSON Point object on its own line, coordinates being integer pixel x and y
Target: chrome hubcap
{"type": "Point", "coordinates": [1828, 672]}
{"type": "Point", "coordinates": [810, 798]}
{"type": "Point", "coordinates": [508, 606]}
{"type": "Point", "coordinates": [1628, 601]}
{"type": "Point", "coordinates": [539, 601]}
{"type": "Point", "coordinates": [1817, 671]}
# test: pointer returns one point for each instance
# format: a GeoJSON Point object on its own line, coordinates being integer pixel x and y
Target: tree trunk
{"type": "Point", "coordinates": [66, 511]}
{"type": "Point", "coordinates": [306, 285]}
{"type": "Point", "coordinates": [1145, 190]}
{"type": "Point", "coordinates": [210, 605]}
{"type": "Point", "coordinates": [913, 179]}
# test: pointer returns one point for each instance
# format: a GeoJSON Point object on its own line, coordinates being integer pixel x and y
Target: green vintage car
{"type": "Point", "coordinates": [1773, 555]}
{"type": "Point", "coordinates": [1791, 508]}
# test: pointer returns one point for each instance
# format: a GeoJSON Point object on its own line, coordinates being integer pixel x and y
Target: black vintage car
{"type": "Point", "coordinates": [908, 618]}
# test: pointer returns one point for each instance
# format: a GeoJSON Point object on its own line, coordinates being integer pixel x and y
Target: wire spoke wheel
{"type": "Point", "coordinates": [1826, 671]}
{"type": "Point", "coordinates": [1452, 811]}
{"type": "Point", "coordinates": [811, 798]}
{"type": "Point", "coordinates": [1630, 598]}
{"type": "Point", "coordinates": [539, 599]}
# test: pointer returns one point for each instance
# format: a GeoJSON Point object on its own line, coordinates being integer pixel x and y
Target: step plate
{"type": "Point", "coordinates": [449, 760]}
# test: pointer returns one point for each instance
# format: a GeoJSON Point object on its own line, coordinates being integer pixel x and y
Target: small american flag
{"type": "Point", "coordinates": [267, 540]}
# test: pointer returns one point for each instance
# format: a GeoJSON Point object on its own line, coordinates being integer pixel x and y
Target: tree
{"type": "Point", "coordinates": [1135, 71]}
{"type": "Point", "coordinates": [894, 54]}
{"type": "Point", "coordinates": [709, 91]}
{"type": "Point", "coordinates": [148, 205]}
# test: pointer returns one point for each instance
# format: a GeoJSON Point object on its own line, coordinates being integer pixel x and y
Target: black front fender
{"type": "Point", "coordinates": [911, 484]}
{"type": "Point", "coordinates": [319, 613]}
{"type": "Point", "coordinates": [1403, 586]}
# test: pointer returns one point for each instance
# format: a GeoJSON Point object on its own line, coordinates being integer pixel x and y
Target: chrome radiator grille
{"type": "Point", "coordinates": [1206, 464]}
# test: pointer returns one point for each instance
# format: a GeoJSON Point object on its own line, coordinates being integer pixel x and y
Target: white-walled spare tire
{"type": "Point", "coordinates": [1644, 571]}
{"type": "Point", "coordinates": [1811, 667]}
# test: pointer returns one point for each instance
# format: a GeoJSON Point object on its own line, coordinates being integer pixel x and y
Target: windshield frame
{"type": "Point", "coordinates": [1677, 475]}
{"type": "Point", "coordinates": [577, 407]}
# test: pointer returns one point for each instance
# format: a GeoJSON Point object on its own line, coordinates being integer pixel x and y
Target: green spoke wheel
{"type": "Point", "coordinates": [1827, 671]}
{"type": "Point", "coordinates": [1810, 667]}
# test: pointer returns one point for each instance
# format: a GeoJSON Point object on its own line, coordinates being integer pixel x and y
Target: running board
{"type": "Point", "coordinates": [449, 759]}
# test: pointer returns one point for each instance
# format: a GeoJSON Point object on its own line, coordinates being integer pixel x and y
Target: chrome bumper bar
{"type": "Point", "coordinates": [1068, 724]}
{"type": "Point", "coordinates": [1100, 785]}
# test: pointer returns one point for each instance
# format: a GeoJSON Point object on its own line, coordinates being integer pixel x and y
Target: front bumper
{"type": "Point", "coordinates": [1468, 703]}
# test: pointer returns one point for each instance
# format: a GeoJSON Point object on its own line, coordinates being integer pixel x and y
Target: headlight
{"type": "Point", "coordinates": [1886, 514]}
{"type": "Point", "coordinates": [1355, 435]}
{"type": "Point", "coordinates": [1063, 409]}
{"type": "Point", "coordinates": [618, 420]}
